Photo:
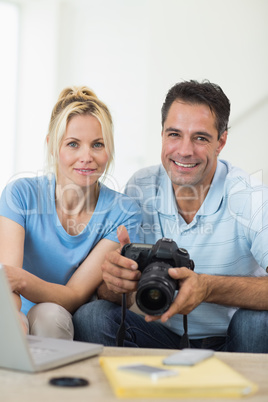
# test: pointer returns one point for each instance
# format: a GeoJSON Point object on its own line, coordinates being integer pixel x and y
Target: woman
{"type": "Point", "coordinates": [59, 227]}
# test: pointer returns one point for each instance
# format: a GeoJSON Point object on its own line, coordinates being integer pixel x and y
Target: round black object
{"type": "Point", "coordinates": [68, 382]}
{"type": "Point", "coordinates": [156, 289]}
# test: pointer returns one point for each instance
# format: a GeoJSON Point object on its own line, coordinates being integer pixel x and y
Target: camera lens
{"type": "Point", "coordinates": [154, 294]}
{"type": "Point", "coordinates": [155, 289]}
{"type": "Point", "coordinates": [152, 299]}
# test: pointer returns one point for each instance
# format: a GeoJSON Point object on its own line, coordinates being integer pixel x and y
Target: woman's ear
{"type": "Point", "coordinates": [47, 138]}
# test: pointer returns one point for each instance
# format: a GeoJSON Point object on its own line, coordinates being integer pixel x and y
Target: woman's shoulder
{"type": "Point", "coordinates": [22, 197]}
{"type": "Point", "coordinates": [26, 185]}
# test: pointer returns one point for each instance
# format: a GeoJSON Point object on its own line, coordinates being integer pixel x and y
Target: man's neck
{"type": "Point", "coordinates": [189, 200]}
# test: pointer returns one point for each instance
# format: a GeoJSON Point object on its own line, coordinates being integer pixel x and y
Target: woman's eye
{"type": "Point", "coordinates": [72, 144]}
{"type": "Point", "coordinates": [98, 145]}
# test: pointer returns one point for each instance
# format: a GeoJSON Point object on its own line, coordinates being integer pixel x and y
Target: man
{"type": "Point", "coordinates": [211, 209]}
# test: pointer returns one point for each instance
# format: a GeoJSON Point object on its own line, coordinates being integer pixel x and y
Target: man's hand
{"type": "Point", "coordinates": [192, 292]}
{"type": "Point", "coordinates": [120, 274]}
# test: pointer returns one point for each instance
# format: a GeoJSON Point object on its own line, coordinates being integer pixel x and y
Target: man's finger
{"type": "Point", "coordinates": [116, 259]}
{"type": "Point", "coordinates": [122, 235]}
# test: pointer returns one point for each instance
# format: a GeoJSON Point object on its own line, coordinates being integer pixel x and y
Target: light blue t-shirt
{"type": "Point", "coordinates": [49, 251]}
{"type": "Point", "coordinates": [228, 235]}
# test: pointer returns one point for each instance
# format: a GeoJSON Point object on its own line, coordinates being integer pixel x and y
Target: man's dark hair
{"type": "Point", "coordinates": [205, 93]}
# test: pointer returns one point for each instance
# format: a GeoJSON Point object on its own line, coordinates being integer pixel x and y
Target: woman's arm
{"type": "Point", "coordinates": [77, 291]}
{"type": "Point", "coordinates": [11, 252]}
{"type": "Point", "coordinates": [11, 242]}
{"type": "Point", "coordinates": [79, 288]}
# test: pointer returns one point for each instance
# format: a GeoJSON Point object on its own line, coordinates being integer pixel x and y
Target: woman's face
{"type": "Point", "coordinates": [82, 155]}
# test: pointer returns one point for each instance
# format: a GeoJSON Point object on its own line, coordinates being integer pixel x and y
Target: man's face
{"type": "Point", "coordinates": [190, 145]}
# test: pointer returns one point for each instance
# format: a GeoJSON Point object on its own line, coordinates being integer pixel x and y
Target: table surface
{"type": "Point", "coordinates": [22, 387]}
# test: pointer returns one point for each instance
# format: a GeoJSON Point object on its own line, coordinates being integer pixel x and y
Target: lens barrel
{"type": "Point", "coordinates": [156, 289]}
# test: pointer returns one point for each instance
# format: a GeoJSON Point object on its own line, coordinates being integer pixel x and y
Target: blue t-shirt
{"type": "Point", "coordinates": [228, 235]}
{"type": "Point", "coordinates": [49, 251]}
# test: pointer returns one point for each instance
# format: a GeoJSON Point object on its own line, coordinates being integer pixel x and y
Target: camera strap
{"type": "Point", "coordinates": [120, 336]}
{"type": "Point", "coordinates": [185, 343]}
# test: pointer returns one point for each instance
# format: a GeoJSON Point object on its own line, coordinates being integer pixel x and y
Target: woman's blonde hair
{"type": "Point", "coordinates": [74, 101]}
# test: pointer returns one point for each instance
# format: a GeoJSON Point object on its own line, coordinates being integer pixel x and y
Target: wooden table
{"type": "Point", "coordinates": [22, 387]}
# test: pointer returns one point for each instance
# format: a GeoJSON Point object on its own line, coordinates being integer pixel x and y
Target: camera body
{"type": "Point", "coordinates": [156, 288]}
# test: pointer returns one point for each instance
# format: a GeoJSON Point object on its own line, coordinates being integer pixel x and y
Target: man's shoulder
{"type": "Point", "coordinates": [239, 180]}
{"type": "Point", "coordinates": [244, 192]}
{"type": "Point", "coordinates": [113, 198]}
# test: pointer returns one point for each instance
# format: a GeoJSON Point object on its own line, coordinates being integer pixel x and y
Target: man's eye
{"type": "Point", "coordinates": [173, 135]}
{"type": "Point", "coordinates": [202, 139]}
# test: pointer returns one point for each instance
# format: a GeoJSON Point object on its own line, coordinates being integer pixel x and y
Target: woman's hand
{"type": "Point", "coordinates": [15, 277]}
{"type": "Point", "coordinates": [24, 322]}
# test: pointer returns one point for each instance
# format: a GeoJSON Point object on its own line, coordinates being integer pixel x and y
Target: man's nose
{"type": "Point", "coordinates": [185, 147]}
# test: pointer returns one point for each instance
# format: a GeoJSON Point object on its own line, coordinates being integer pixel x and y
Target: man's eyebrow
{"type": "Point", "coordinates": [173, 130]}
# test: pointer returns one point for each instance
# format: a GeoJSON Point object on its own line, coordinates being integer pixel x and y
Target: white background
{"type": "Point", "coordinates": [130, 52]}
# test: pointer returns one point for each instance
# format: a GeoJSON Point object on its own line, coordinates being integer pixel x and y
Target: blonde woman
{"type": "Point", "coordinates": [56, 229]}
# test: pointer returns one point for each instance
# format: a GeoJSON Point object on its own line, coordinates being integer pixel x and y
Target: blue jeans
{"type": "Point", "coordinates": [99, 321]}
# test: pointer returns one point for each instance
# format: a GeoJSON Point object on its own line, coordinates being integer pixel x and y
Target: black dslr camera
{"type": "Point", "coordinates": [156, 288]}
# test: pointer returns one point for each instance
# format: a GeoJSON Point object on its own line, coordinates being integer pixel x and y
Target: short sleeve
{"type": "Point", "coordinates": [12, 203]}
{"type": "Point", "coordinates": [127, 214]}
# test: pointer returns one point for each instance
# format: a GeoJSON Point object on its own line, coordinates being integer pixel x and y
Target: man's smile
{"type": "Point", "coordinates": [185, 165]}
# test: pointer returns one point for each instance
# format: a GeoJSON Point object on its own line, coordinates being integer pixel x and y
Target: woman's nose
{"type": "Point", "coordinates": [86, 155]}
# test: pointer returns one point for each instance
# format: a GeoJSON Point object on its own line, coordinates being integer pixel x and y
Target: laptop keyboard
{"type": "Point", "coordinates": [41, 351]}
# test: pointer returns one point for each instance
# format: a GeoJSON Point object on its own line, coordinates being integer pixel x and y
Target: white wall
{"type": "Point", "coordinates": [130, 52]}
{"type": "Point", "coordinates": [8, 84]}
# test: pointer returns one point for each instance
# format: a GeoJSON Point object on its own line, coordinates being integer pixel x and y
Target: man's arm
{"type": "Point", "coordinates": [243, 292]}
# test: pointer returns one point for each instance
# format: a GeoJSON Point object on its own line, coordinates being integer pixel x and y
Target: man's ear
{"type": "Point", "coordinates": [222, 141]}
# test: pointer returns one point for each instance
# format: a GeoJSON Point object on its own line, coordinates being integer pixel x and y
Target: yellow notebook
{"type": "Point", "coordinates": [210, 378]}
